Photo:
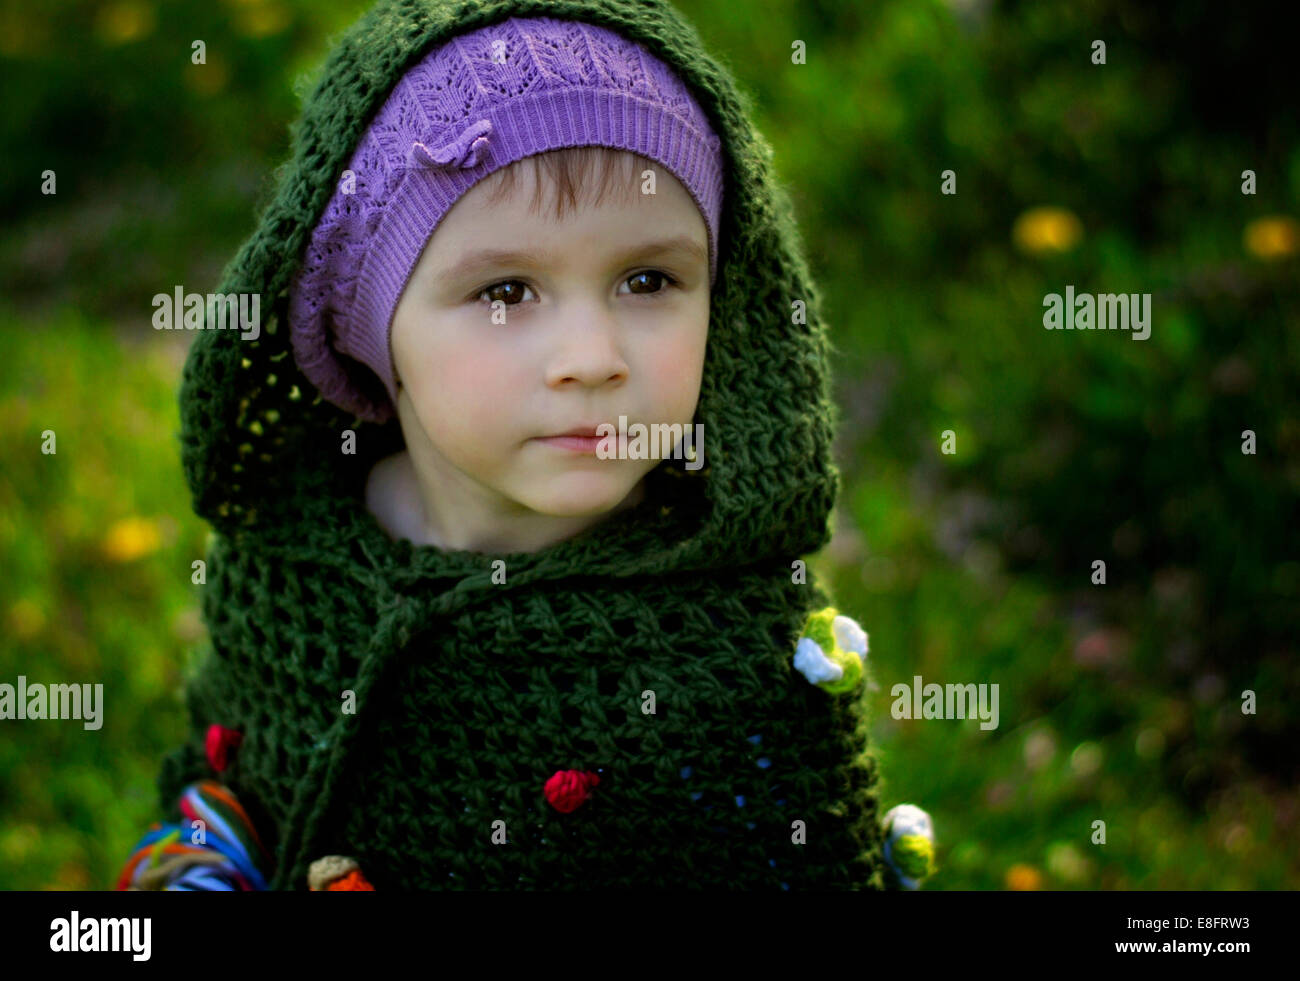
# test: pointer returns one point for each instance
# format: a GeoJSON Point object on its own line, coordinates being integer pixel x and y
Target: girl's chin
{"type": "Point", "coordinates": [576, 509]}
{"type": "Point", "coordinates": [581, 498]}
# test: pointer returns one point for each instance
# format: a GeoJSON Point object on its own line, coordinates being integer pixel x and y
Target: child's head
{"type": "Point", "coordinates": [605, 314]}
{"type": "Point", "coordinates": [478, 149]}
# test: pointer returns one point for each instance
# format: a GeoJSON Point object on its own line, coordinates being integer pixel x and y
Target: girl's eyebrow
{"type": "Point", "coordinates": [682, 245]}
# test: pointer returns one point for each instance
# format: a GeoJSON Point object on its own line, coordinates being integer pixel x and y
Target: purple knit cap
{"type": "Point", "coordinates": [473, 106]}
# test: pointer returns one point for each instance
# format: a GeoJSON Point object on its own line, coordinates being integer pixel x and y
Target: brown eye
{"type": "Point", "coordinates": [510, 292]}
{"type": "Point", "coordinates": [650, 279]}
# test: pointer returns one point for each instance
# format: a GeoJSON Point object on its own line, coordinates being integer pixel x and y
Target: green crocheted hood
{"type": "Point", "coordinates": [251, 422]}
{"type": "Point", "coordinates": [691, 591]}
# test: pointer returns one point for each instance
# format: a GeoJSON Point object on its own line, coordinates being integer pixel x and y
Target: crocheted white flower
{"type": "Point", "coordinates": [909, 843]}
{"type": "Point", "coordinates": [832, 651]}
{"type": "Point", "coordinates": [816, 667]}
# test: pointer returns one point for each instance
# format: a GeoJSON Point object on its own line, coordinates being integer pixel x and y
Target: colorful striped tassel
{"type": "Point", "coordinates": [231, 858]}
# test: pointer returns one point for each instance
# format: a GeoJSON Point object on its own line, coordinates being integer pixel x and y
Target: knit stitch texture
{"type": "Point", "coordinates": [470, 695]}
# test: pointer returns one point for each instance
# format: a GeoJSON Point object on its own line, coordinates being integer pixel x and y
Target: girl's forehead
{"type": "Point", "coordinates": [480, 231]}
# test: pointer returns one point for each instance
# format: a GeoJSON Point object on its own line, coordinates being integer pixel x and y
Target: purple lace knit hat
{"type": "Point", "coordinates": [476, 104]}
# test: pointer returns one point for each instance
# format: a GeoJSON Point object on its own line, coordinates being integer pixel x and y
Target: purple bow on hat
{"type": "Point", "coordinates": [462, 152]}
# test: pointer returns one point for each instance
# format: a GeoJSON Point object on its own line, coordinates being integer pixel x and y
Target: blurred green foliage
{"type": "Point", "coordinates": [1118, 703]}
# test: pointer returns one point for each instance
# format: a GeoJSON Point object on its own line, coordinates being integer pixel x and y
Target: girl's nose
{"type": "Point", "coordinates": [588, 353]}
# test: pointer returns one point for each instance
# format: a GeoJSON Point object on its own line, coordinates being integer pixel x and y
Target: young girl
{"type": "Point", "coordinates": [470, 627]}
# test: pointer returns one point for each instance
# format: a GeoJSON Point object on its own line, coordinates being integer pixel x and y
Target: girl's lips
{"type": "Point", "coordinates": [576, 444]}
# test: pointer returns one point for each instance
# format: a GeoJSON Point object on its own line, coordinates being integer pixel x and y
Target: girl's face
{"type": "Point", "coordinates": [603, 314]}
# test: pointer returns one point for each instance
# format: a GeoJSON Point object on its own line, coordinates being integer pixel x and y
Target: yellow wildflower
{"type": "Point", "coordinates": [1024, 878]}
{"type": "Point", "coordinates": [261, 19]}
{"type": "Point", "coordinates": [1044, 230]}
{"type": "Point", "coordinates": [128, 20]}
{"type": "Point", "coordinates": [1272, 237]}
{"type": "Point", "coordinates": [131, 538]}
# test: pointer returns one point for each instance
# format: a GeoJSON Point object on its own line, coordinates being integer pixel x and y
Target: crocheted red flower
{"type": "Point", "coordinates": [222, 742]}
{"type": "Point", "coordinates": [568, 789]}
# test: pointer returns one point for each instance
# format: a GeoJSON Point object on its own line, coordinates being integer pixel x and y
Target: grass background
{"type": "Point", "coordinates": [1118, 703]}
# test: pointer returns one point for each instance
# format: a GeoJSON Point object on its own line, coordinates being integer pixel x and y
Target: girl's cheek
{"type": "Point", "coordinates": [675, 370]}
{"type": "Point", "coordinates": [477, 370]}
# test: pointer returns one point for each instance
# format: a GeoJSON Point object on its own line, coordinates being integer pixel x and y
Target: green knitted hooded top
{"type": "Point", "coordinates": [470, 693]}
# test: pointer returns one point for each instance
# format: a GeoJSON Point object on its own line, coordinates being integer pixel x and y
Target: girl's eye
{"type": "Point", "coordinates": [510, 292]}
{"type": "Point", "coordinates": [649, 278]}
